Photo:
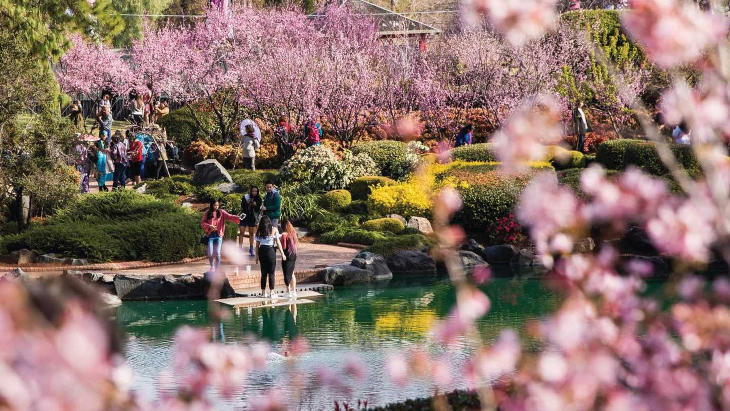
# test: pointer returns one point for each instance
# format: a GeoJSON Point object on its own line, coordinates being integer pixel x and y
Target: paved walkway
{"type": "Point", "coordinates": [311, 257]}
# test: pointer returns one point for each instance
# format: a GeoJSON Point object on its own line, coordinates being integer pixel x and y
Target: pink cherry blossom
{"type": "Point", "coordinates": [519, 21]}
{"type": "Point", "coordinates": [673, 32]}
{"type": "Point", "coordinates": [520, 141]}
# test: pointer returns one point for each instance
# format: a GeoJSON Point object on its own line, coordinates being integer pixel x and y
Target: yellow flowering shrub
{"type": "Point", "coordinates": [409, 198]}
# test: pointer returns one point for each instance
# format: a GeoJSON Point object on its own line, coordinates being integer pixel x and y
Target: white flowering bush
{"type": "Point", "coordinates": [395, 159]}
{"type": "Point", "coordinates": [318, 169]}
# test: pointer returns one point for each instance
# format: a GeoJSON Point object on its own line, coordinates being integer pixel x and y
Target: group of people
{"type": "Point", "coordinates": [122, 158]}
{"type": "Point", "coordinates": [144, 110]}
{"type": "Point", "coordinates": [260, 221]}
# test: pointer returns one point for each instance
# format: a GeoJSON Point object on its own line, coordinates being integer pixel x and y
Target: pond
{"type": "Point", "coordinates": [370, 323]}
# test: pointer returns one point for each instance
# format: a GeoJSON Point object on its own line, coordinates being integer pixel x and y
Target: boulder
{"type": "Point", "coordinates": [524, 258]}
{"type": "Point", "coordinates": [348, 275]}
{"type": "Point", "coordinates": [142, 189]}
{"type": "Point", "coordinates": [375, 263]}
{"type": "Point", "coordinates": [411, 262]}
{"type": "Point", "coordinates": [50, 258]}
{"type": "Point", "coordinates": [23, 256]}
{"type": "Point", "coordinates": [104, 281]}
{"type": "Point", "coordinates": [421, 224]}
{"type": "Point", "coordinates": [16, 274]}
{"type": "Point", "coordinates": [398, 217]}
{"type": "Point", "coordinates": [159, 287]}
{"type": "Point", "coordinates": [209, 172]}
{"type": "Point", "coordinates": [471, 260]}
{"type": "Point", "coordinates": [186, 205]}
{"type": "Point", "coordinates": [229, 188]}
{"type": "Point", "coordinates": [499, 254]}
{"type": "Point", "coordinates": [474, 247]}
{"type": "Point", "coordinates": [78, 261]}
{"type": "Point", "coordinates": [111, 300]}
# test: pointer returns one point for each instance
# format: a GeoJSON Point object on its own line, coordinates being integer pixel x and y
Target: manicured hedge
{"type": "Point", "coordinates": [392, 225]}
{"type": "Point", "coordinates": [179, 185]}
{"type": "Point", "coordinates": [247, 178]}
{"type": "Point", "coordinates": [336, 200]}
{"type": "Point", "coordinates": [356, 236]}
{"type": "Point", "coordinates": [387, 154]}
{"type": "Point", "coordinates": [390, 245]}
{"type": "Point", "coordinates": [363, 186]}
{"type": "Point", "coordinates": [485, 203]}
{"type": "Point", "coordinates": [619, 154]}
{"type": "Point", "coordinates": [182, 127]}
{"type": "Point", "coordinates": [359, 207]}
{"type": "Point", "coordinates": [120, 225]}
{"type": "Point", "coordinates": [327, 222]}
{"type": "Point", "coordinates": [562, 158]}
{"type": "Point", "coordinates": [474, 152]}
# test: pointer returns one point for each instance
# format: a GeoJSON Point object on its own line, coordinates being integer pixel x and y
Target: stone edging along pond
{"type": "Point", "coordinates": [115, 266]}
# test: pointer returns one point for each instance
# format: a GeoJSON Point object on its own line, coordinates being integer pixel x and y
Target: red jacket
{"type": "Point", "coordinates": [219, 222]}
{"type": "Point", "coordinates": [135, 151]}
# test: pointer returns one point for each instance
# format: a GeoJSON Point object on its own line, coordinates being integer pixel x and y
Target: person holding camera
{"type": "Point", "coordinates": [251, 207]}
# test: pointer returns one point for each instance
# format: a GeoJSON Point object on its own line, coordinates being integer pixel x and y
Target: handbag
{"type": "Point", "coordinates": [204, 239]}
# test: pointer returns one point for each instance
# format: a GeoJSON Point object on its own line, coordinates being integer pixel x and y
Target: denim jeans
{"type": "Point", "coordinates": [120, 175]}
{"type": "Point", "coordinates": [214, 250]}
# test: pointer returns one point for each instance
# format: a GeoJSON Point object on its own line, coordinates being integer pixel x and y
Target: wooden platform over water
{"type": "Point", "coordinates": [256, 292]}
{"type": "Point", "coordinates": [255, 300]}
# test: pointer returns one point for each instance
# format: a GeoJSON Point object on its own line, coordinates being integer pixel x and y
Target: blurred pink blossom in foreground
{"type": "Point", "coordinates": [528, 130]}
{"type": "Point", "coordinates": [673, 32]}
{"type": "Point", "coordinates": [519, 21]}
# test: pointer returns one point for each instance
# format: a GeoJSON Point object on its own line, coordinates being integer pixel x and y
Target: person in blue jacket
{"type": "Point", "coordinates": [464, 136]}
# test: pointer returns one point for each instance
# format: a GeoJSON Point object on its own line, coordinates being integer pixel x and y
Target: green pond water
{"type": "Point", "coordinates": [370, 323]}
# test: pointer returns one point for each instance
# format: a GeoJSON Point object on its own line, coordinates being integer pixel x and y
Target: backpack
{"type": "Point", "coordinates": [312, 135]}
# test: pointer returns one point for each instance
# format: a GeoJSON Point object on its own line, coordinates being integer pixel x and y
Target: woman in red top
{"type": "Point", "coordinates": [136, 157]}
{"type": "Point", "coordinates": [214, 225]}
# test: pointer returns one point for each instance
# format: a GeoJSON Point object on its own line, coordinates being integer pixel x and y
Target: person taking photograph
{"type": "Point", "coordinates": [214, 225]}
{"type": "Point", "coordinates": [251, 207]}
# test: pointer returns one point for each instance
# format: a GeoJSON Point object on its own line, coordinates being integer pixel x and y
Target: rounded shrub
{"type": "Point", "coordinates": [182, 127]}
{"type": "Point", "coordinates": [329, 222]}
{"type": "Point", "coordinates": [395, 159]}
{"type": "Point", "coordinates": [475, 152]}
{"type": "Point", "coordinates": [354, 236]}
{"type": "Point", "coordinates": [385, 153]}
{"type": "Point", "coordinates": [388, 246]}
{"type": "Point", "coordinates": [407, 199]}
{"type": "Point", "coordinates": [358, 207]}
{"type": "Point", "coordinates": [363, 186]}
{"type": "Point", "coordinates": [336, 200]}
{"type": "Point", "coordinates": [391, 225]}
{"type": "Point", "coordinates": [121, 225]}
{"type": "Point", "coordinates": [619, 154]}
{"type": "Point", "coordinates": [484, 204]}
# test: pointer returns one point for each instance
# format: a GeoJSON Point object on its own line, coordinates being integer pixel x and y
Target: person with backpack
{"type": "Point", "coordinates": [311, 134]}
{"type": "Point", "coordinates": [119, 156]}
{"type": "Point", "coordinates": [249, 145]}
{"type": "Point", "coordinates": [272, 203]}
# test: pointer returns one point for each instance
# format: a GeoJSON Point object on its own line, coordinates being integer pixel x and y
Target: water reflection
{"type": "Point", "coordinates": [371, 322]}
